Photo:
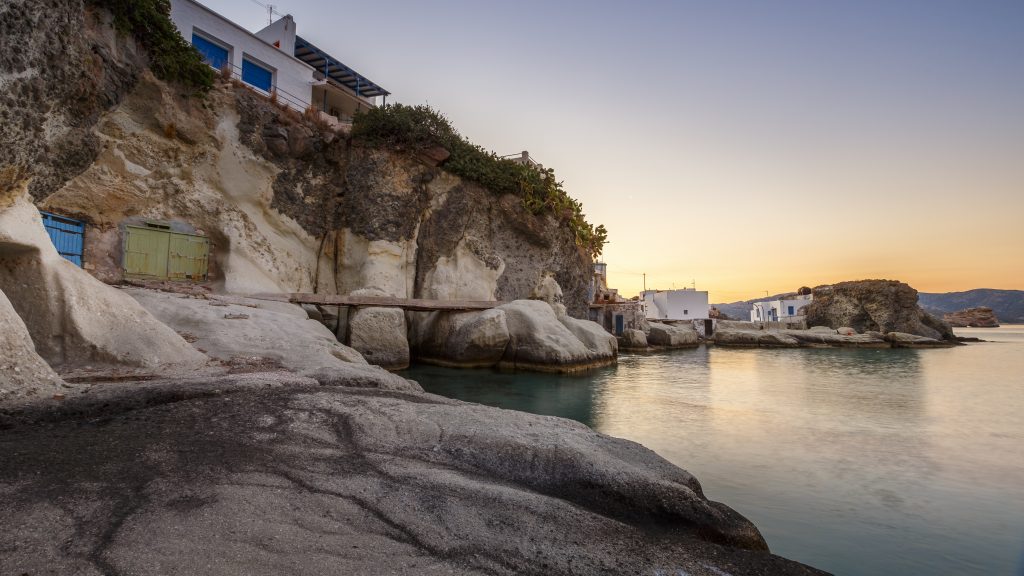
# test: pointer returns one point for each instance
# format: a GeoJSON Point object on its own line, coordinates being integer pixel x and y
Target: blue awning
{"type": "Point", "coordinates": [335, 70]}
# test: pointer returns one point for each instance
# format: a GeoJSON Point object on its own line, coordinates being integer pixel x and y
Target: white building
{"type": "Point", "coordinates": [685, 304]}
{"type": "Point", "coordinates": [276, 59]}
{"type": "Point", "coordinates": [779, 310]}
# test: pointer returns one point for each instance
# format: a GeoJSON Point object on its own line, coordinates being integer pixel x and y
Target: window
{"type": "Point", "coordinates": [686, 312]}
{"type": "Point", "coordinates": [791, 311]}
{"type": "Point", "coordinates": [213, 54]}
{"type": "Point", "coordinates": [257, 75]}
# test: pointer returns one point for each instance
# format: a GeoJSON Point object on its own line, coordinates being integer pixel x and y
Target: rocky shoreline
{"type": "Point", "coordinates": [277, 473]}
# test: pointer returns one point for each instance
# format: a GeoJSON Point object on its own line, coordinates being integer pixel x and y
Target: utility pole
{"type": "Point", "coordinates": [270, 14]}
{"type": "Point", "coordinates": [645, 281]}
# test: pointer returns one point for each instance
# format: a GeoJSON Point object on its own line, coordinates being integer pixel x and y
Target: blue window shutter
{"type": "Point", "coordinates": [790, 310]}
{"type": "Point", "coordinates": [213, 54]}
{"type": "Point", "coordinates": [66, 235]}
{"type": "Point", "coordinates": [256, 75]}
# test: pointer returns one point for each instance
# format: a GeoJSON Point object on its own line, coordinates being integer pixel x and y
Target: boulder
{"type": "Point", "coordinates": [773, 339]}
{"type": "Point", "coordinates": [874, 305]}
{"type": "Point", "coordinates": [380, 335]}
{"type": "Point", "coordinates": [904, 340]}
{"type": "Point", "coordinates": [735, 338]}
{"type": "Point", "coordinates": [672, 336]}
{"type": "Point", "coordinates": [633, 339]}
{"type": "Point", "coordinates": [461, 339]}
{"type": "Point", "coordinates": [755, 339]}
{"type": "Point", "coordinates": [846, 331]}
{"type": "Point", "coordinates": [73, 318]}
{"type": "Point", "coordinates": [23, 374]}
{"type": "Point", "coordinates": [594, 337]}
{"type": "Point", "coordinates": [538, 340]}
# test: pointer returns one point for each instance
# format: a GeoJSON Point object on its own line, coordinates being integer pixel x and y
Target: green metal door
{"type": "Point", "coordinates": [187, 257]}
{"type": "Point", "coordinates": [145, 252]}
{"type": "Point", "coordinates": [156, 253]}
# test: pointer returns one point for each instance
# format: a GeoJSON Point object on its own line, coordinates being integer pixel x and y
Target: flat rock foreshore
{"type": "Point", "coordinates": [276, 473]}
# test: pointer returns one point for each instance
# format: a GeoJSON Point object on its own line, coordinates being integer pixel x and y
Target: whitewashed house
{"type": "Point", "coordinates": [276, 60]}
{"type": "Point", "coordinates": [781, 310]}
{"type": "Point", "coordinates": [685, 304]}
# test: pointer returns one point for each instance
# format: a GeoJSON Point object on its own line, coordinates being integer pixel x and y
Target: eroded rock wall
{"type": "Point", "coordinates": [61, 65]}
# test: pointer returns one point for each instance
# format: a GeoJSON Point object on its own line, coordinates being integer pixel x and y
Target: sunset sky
{"type": "Point", "coordinates": [747, 146]}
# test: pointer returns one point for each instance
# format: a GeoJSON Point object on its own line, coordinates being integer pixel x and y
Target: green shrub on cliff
{"type": "Point", "coordinates": [418, 128]}
{"type": "Point", "coordinates": [171, 57]}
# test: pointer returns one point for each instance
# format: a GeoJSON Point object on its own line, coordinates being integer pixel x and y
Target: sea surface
{"type": "Point", "coordinates": [859, 462]}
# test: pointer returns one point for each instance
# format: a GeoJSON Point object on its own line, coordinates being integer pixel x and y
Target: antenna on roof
{"type": "Point", "coordinates": [271, 10]}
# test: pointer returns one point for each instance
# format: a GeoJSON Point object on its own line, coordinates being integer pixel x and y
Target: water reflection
{"type": "Point", "coordinates": [568, 396]}
{"type": "Point", "coordinates": [856, 461]}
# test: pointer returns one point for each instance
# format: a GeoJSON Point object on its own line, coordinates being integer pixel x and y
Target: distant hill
{"type": "Point", "coordinates": [1008, 305]}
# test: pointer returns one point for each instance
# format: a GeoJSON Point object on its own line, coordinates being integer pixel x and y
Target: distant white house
{"type": "Point", "coordinates": [685, 304]}
{"type": "Point", "coordinates": [276, 60]}
{"type": "Point", "coordinates": [779, 310]}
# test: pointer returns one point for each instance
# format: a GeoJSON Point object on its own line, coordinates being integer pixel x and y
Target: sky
{"type": "Point", "coordinates": [741, 147]}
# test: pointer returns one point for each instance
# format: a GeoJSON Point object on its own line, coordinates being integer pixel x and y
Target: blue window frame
{"type": "Point", "coordinates": [791, 311]}
{"type": "Point", "coordinates": [66, 235]}
{"type": "Point", "coordinates": [256, 75]}
{"type": "Point", "coordinates": [213, 54]}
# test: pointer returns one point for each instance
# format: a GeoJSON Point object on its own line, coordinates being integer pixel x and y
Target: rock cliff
{"type": "Point", "coordinates": [980, 317]}
{"type": "Point", "coordinates": [290, 204]}
{"type": "Point", "coordinates": [874, 306]}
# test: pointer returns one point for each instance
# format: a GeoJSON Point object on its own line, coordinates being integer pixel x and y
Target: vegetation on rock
{"type": "Point", "coordinates": [419, 128]}
{"type": "Point", "coordinates": [171, 57]}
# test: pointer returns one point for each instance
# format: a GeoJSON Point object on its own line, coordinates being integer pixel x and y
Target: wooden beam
{"type": "Point", "coordinates": [415, 304]}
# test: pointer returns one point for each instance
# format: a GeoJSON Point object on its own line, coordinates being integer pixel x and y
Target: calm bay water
{"type": "Point", "coordinates": [859, 462]}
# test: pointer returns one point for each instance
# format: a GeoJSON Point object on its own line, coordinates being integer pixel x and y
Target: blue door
{"type": "Point", "coordinates": [66, 235]}
{"type": "Point", "coordinates": [257, 75]}
{"type": "Point", "coordinates": [619, 325]}
{"type": "Point", "coordinates": [214, 55]}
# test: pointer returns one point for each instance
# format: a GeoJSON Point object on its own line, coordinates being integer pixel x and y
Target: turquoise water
{"type": "Point", "coordinates": [859, 462]}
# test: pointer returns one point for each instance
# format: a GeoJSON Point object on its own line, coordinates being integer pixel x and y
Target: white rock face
{"type": "Point", "coordinates": [547, 290]}
{"type": "Point", "coordinates": [463, 276]}
{"type": "Point", "coordinates": [671, 336]}
{"type": "Point", "coordinates": [23, 374]}
{"type": "Point", "coordinates": [73, 318]}
{"type": "Point", "coordinates": [385, 267]}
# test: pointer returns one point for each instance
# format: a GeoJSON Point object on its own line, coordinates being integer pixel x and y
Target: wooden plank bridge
{"type": "Point", "coordinates": [414, 304]}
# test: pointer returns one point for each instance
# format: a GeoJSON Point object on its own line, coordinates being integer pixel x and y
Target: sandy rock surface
{"type": "Point", "coordinates": [274, 474]}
